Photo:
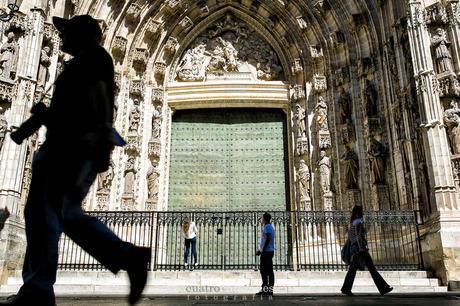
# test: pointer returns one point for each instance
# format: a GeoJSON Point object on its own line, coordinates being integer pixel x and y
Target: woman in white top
{"type": "Point", "coordinates": [189, 231]}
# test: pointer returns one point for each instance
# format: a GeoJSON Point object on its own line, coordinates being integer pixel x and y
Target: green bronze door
{"type": "Point", "coordinates": [228, 160]}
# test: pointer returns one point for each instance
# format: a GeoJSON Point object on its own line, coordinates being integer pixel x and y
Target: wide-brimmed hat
{"type": "Point", "coordinates": [84, 25]}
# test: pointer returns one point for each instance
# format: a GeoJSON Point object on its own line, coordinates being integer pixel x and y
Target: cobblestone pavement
{"type": "Point", "coordinates": [395, 300]}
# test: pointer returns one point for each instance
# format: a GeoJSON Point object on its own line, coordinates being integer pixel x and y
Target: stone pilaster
{"type": "Point", "coordinates": [443, 193]}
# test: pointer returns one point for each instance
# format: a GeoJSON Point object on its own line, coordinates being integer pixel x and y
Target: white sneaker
{"type": "Point", "coordinates": [186, 264]}
{"type": "Point", "coordinates": [196, 264]}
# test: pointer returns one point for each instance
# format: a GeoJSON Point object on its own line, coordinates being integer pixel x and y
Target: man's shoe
{"type": "Point", "coordinates": [347, 292]}
{"type": "Point", "coordinates": [137, 272]}
{"type": "Point", "coordinates": [387, 290]}
{"type": "Point", "coordinates": [22, 300]}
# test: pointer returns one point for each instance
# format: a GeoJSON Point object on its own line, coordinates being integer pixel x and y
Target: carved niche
{"type": "Point", "coordinates": [152, 29]}
{"type": "Point", "coordinates": [229, 48]}
{"type": "Point", "coordinates": [119, 47]}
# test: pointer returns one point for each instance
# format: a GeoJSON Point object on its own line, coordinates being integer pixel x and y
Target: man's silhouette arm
{"type": "Point", "coordinates": [39, 117]}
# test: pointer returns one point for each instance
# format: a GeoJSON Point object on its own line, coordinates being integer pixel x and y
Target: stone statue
{"type": "Point", "coordinates": [152, 181]}
{"type": "Point", "coordinates": [45, 62]}
{"type": "Point", "coordinates": [351, 163]}
{"type": "Point", "coordinates": [105, 179]}
{"type": "Point", "coordinates": [156, 127]}
{"type": "Point", "coordinates": [300, 120]}
{"type": "Point", "coordinates": [3, 126]}
{"type": "Point", "coordinates": [371, 96]}
{"type": "Point", "coordinates": [9, 53]}
{"type": "Point", "coordinates": [377, 157]}
{"type": "Point", "coordinates": [324, 165]}
{"type": "Point", "coordinates": [452, 121]}
{"type": "Point", "coordinates": [230, 54]}
{"type": "Point", "coordinates": [134, 118]}
{"type": "Point", "coordinates": [321, 115]}
{"type": "Point", "coordinates": [442, 53]}
{"type": "Point", "coordinates": [303, 176]}
{"type": "Point", "coordinates": [344, 103]}
{"type": "Point", "coordinates": [130, 175]}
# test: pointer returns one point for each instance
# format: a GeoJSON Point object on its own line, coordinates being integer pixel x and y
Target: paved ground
{"type": "Point", "coordinates": [202, 300]}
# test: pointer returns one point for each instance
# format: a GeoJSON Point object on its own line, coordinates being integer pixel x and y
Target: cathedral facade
{"type": "Point", "coordinates": [237, 105]}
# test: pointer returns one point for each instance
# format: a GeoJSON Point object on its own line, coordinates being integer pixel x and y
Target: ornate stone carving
{"type": "Point", "coordinates": [358, 21]}
{"type": "Point", "coordinates": [297, 67]}
{"type": "Point", "coordinates": [351, 164]}
{"type": "Point", "coordinates": [134, 118]}
{"type": "Point", "coordinates": [7, 91]}
{"type": "Point", "coordinates": [9, 54]}
{"type": "Point", "coordinates": [302, 146]}
{"type": "Point", "coordinates": [117, 81]}
{"type": "Point", "coordinates": [43, 69]}
{"type": "Point", "coordinates": [204, 10]}
{"type": "Point", "coordinates": [119, 47]}
{"type": "Point", "coordinates": [104, 180]}
{"type": "Point", "coordinates": [48, 31]}
{"type": "Point", "coordinates": [157, 95]}
{"type": "Point", "coordinates": [319, 82]}
{"type": "Point", "coordinates": [172, 5]}
{"type": "Point", "coordinates": [324, 166]}
{"type": "Point", "coordinates": [442, 53]}
{"type": "Point", "coordinates": [152, 29]}
{"type": "Point", "coordinates": [303, 25]}
{"type": "Point", "coordinates": [452, 121]}
{"type": "Point", "coordinates": [337, 38]}
{"type": "Point", "coordinates": [377, 157]}
{"type": "Point", "coordinates": [19, 23]}
{"type": "Point", "coordinates": [137, 88]}
{"type": "Point", "coordinates": [321, 115]}
{"type": "Point", "coordinates": [154, 149]}
{"type": "Point", "coordinates": [344, 103]}
{"type": "Point", "coordinates": [3, 126]}
{"type": "Point", "coordinates": [371, 99]}
{"type": "Point", "coordinates": [436, 14]}
{"type": "Point", "coordinates": [102, 201]}
{"type": "Point", "coordinates": [186, 23]}
{"type": "Point", "coordinates": [160, 69]}
{"type": "Point", "coordinates": [298, 93]}
{"type": "Point", "coordinates": [133, 13]}
{"type": "Point", "coordinates": [171, 44]}
{"type": "Point", "coordinates": [132, 146]}
{"type": "Point", "coordinates": [447, 86]}
{"type": "Point", "coordinates": [416, 16]}
{"type": "Point", "coordinates": [156, 123]}
{"type": "Point", "coordinates": [152, 181]}
{"type": "Point", "coordinates": [316, 52]}
{"type": "Point", "coordinates": [366, 66]}
{"type": "Point", "coordinates": [342, 76]}
{"type": "Point", "coordinates": [228, 48]}
{"type": "Point", "coordinates": [130, 175]}
{"type": "Point", "coordinates": [140, 58]}
{"type": "Point", "coordinates": [300, 117]}
{"type": "Point", "coordinates": [303, 177]}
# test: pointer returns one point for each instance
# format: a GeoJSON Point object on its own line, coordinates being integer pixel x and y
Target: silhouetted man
{"type": "Point", "coordinates": [266, 252]}
{"type": "Point", "coordinates": [78, 144]}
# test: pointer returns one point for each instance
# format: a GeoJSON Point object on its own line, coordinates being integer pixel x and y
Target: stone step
{"type": "Point", "coordinates": [230, 282]}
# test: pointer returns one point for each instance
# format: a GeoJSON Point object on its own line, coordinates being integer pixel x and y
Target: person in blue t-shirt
{"type": "Point", "coordinates": [266, 252]}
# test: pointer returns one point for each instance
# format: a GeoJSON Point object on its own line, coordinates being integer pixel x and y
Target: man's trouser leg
{"type": "Point", "coordinates": [264, 269]}
{"type": "Point", "coordinates": [87, 231]}
{"type": "Point", "coordinates": [270, 273]}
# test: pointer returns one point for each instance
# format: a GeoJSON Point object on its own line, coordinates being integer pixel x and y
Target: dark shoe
{"type": "Point", "coordinates": [137, 272]}
{"type": "Point", "coordinates": [386, 290]}
{"type": "Point", "coordinates": [22, 300]}
{"type": "Point", "coordinates": [347, 292]}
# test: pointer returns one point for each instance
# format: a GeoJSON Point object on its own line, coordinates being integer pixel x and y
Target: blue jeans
{"type": "Point", "coordinates": [53, 206]}
{"type": "Point", "coordinates": [189, 242]}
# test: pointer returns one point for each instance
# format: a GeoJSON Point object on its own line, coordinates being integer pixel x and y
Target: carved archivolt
{"type": "Point", "coordinates": [226, 48]}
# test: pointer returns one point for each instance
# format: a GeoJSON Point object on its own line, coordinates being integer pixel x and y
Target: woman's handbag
{"type": "Point", "coordinates": [346, 256]}
{"type": "Point", "coordinates": [358, 260]}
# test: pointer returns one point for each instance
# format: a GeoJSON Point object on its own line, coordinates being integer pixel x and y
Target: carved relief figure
{"type": "Point", "coordinates": [345, 107]}
{"type": "Point", "coordinates": [156, 127]}
{"type": "Point", "coordinates": [452, 121]}
{"type": "Point", "coordinates": [152, 181]}
{"type": "Point", "coordinates": [130, 175]}
{"type": "Point", "coordinates": [377, 157]}
{"type": "Point", "coordinates": [45, 62]}
{"type": "Point", "coordinates": [230, 54]}
{"type": "Point", "coordinates": [442, 53]}
{"type": "Point", "coordinates": [300, 120]}
{"type": "Point", "coordinates": [303, 176]}
{"type": "Point", "coordinates": [351, 163]}
{"type": "Point", "coordinates": [324, 165]}
{"type": "Point", "coordinates": [3, 126]}
{"type": "Point", "coordinates": [134, 118]}
{"type": "Point", "coordinates": [321, 115]}
{"type": "Point", "coordinates": [9, 53]}
{"type": "Point", "coordinates": [371, 99]}
{"type": "Point", "coordinates": [105, 179]}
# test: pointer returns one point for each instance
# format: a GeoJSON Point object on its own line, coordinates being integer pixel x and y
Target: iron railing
{"type": "Point", "coordinates": [304, 240]}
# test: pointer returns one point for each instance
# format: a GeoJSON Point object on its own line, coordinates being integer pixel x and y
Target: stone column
{"type": "Point", "coordinates": [441, 243]}
{"type": "Point", "coordinates": [13, 157]}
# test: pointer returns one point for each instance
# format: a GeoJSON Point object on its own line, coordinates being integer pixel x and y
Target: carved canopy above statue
{"type": "Point", "coordinates": [229, 49]}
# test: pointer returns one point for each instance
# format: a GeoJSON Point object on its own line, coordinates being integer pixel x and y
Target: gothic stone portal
{"type": "Point", "coordinates": [228, 160]}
